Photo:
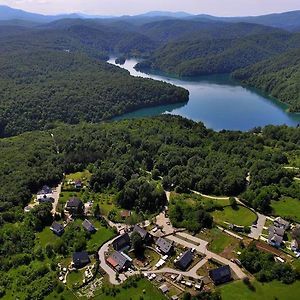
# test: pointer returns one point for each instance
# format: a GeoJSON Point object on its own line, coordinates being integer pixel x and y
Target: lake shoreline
{"type": "Point", "coordinates": [219, 101]}
{"type": "Point", "coordinates": [151, 71]}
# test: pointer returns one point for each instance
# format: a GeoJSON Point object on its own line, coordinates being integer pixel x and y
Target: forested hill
{"type": "Point", "coordinates": [184, 153]}
{"type": "Point", "coordinates": [40, 85]}
{"type": "Point", "coordinates": [218, 55]}
{"type": "Point", "coordinates": [279, 77]}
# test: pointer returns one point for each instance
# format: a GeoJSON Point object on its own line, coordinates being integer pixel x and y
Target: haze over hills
{"type": "Point", "coordinates": [61, 100]}
{"type": "Point", "coordinates": [287, 20]}
{"type": "Point", "coordinates": [177, 43]}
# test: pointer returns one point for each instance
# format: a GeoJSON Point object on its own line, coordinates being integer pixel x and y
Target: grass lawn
{"type": "Point", "coordinates": [45, 237]}
{"type": "Point", "coordinates": [74, 278]}
{"type": "Point", "coordinates": [218, 240]}
{"type": "Point", "coordinates": [84, 176]}
{"type": "Point", "coordinates": [240, 216]}
{"type": "Point", "coordinates": [210, 202]}
{"type": "Point", "coordinates": [193, 199]}
{"type": "Point", "coordinates": [66, 294]}
{"type": "Point", "coordinates": [107, 202]}
{"type": "Point", "coordinates": [151, 256]}
{"type": "Point", "coordinates": [210, 265]}
{"type": "Point", "coordinates": [151, 293]}
{"type": "Point", "coordinates": [267, 291]}
{"type": "Point", "coordinates": [287, 207]}
{"type": "Point", "coordinates": [102, 235]}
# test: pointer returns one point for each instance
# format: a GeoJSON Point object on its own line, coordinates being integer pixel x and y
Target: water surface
{"type": "Point", "coordinates": [218, 101]}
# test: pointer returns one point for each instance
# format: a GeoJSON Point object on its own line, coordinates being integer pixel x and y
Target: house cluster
{"type": "Point", "coordinates": [45, 195]}
{"type": "Point", "coordinates": [164, 282]}
{"type": "Point", "coordinates": [74, 207]}
{"type": "Point", "coordinates": [120, 261]}
{"type": "Point", "coordinates": [277, 231]}
{"type": "Point", "coordinates": [59, 229]}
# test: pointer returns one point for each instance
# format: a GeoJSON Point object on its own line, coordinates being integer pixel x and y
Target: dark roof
{"type": "Point", "coordinates": [275, 239]}
{"type": "Point", "coordinates": [142, 232]}
{"type": "Point", "coordinates": [220, 275]}
{"type": "Point", "coordinates": [122, 241]}
{"type": "Point", "coordinates": [88, 225]}
{"type": "Point", "coordinates": [74, 202]}
{"type": "Point", "coordinates": [78, 183]}
{"type": "Point", "coordinates": [276, 230]}
{"type": "Point", "coordinates": [164, 245]}
{"type": "Point", "coordinates": [81, 258]}
{"type": "Point", "coordinates": [118, 261]}
{"type": "Point", "coordinates": [279, 222]}
{"type": "Point", "coordinates": [185, 259]}
{"type": "Point", "coordinates": [45, 190]}
{"type": "Point", "coordinates": [57, 228]}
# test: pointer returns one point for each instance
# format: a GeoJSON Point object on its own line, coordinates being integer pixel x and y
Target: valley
{"type": "Point", "coordinates": [149, 156]}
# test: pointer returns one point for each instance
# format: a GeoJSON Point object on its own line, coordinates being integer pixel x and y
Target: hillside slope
{"type": "Point", "coordinates": [215, 55]}
{"type": "Point", "coordinates": [43, 84]}
{"type": "Point", "coordinates": [279, 77]}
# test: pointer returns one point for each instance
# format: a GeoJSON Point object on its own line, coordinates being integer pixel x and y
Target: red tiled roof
{"type": "Point", "coordinates": [112, 262]}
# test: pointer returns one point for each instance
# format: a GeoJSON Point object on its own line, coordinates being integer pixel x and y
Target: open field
{"type": "Point", "coordinates": [262, 291]}
{"type": "Point", "coordinates": [135, 293]}
{"type": "Point", "coordinates": [287, 207]}
{"type": "Point", "coordinates": [66, 294]}
{"type": "Point", "coordinates": [84, 176]}
{"type": "Point", "coordinates": [46, 236]}
{"type": "Point", "coordinates": [102, 235]}
{"type": "Point", "coordinates": [193, 199]}
{"type": "Point", "coordinates": [219, 241]}
{"type": "Point", "coordinates": [240, 216]}
{"type": "Point", "coordinates": [210, 265]}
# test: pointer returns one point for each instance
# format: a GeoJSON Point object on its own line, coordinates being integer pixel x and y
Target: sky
{"type": "Point", "coordinates": [131, 7]}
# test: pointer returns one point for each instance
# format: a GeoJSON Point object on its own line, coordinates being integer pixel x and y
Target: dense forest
{"type": "Point", "coordinates": [39, 87]}
{"type": "Point", "coordinates": [184, 153]}
{"type": "Point", "coordinates": [279, 77]}
{"type": "Point", "coordinates": [215, 56]}
{"type": "Point", "coordinates": [54, 82]}
{"type": "Point", "coordinates": [74, 51]}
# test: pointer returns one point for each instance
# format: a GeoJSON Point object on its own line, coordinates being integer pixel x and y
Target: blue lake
{"type": "Point", "coordinates": [219, 102]}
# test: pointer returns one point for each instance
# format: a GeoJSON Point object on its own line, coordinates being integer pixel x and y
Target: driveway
{"type": "Point", "coordinates": [165, 223]}
{"type": "Point", "coordinates": [109, 271]}
{"type": "Point", "coordinates": [202, 248]}
{"type": "Point", "coordinates": [55, 196]}
{"type": "Point", "coordinates": [257, 231]}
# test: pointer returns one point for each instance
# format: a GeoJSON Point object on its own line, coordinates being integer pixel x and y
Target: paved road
{"type": "Point", "coordinates": [177, 272]}
{"type": "Point", "coordinates": [55, 196]}
{"type": "Point", "coordinates": [230, 233]}
{"type": "Point", "coordinates": [292, 168]}
{"type": "Point", "coordinates": [210, 197]}
{"type": "Point", "coordinates": [257, 231]}
{"type": "Point", "coordinates": [164, 222]}
{"type": "Point", "coordinates": [111, 273]}
{"type": "Point", "coordinates": [202, 249]}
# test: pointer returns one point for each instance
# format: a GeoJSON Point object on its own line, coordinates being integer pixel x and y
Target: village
{"type": "Point", "coordinates": [172, 259]}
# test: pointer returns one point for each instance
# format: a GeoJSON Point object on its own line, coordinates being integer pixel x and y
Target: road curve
{"type": "Point", "coordinates": [109, 271]}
